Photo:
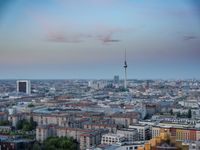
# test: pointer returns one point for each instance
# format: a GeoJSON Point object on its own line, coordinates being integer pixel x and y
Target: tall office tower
{"type": "Point", "coordinates": [125, 72]}
{"type": "Point", "coordinates": [116, 79]}
{"type": "Point", "coordinates": [24, 86]}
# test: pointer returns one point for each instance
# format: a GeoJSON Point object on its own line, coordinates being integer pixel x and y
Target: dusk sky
{"type": "Point", "coordinates": [72, 39]}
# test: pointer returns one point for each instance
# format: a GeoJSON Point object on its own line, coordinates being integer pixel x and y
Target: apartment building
{"type": "Point", "coordinates": [143, 131]}
{"type": "Point", "coordinates": [86, 137]}
{"type": "Point", "coordinates": [112, 138]}
{"type": "Point", "coordinates": [131, 135]}
{"type": "Point", "coordinates": [45, 131]}
{"type": "Point", "coordinates": [111, 127]}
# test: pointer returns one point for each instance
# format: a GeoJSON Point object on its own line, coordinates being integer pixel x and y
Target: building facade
{"type": "Point", "coordinates": [131, 135]}
{"type": "Point", "coordinates": [24, 86]}
{"type": "Point", "coordinates": [112, 138]}
{"type": "Point", "coordinates": [143, 131]}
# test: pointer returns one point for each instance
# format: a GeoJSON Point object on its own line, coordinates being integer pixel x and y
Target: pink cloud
{"type": "Point", "coordinates": [107, 38]}
{"type": "Point", "coordinates": [53, 33]}
{"type": "Point", "coordinates": [189, 37]}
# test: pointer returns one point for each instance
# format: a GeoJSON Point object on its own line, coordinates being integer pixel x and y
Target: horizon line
{"type": "Point", "coordinates": [99, 79]}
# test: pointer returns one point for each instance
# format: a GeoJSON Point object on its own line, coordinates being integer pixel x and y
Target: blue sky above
{"type": "Point", "coordinates": [86, 38]}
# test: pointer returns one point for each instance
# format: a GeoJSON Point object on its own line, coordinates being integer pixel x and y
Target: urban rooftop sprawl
{"type": "Point", "coordinates": [100, 114]}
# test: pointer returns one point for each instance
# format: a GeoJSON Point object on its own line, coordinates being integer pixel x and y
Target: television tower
{"type": "Point", "coordinates": [125, 73]}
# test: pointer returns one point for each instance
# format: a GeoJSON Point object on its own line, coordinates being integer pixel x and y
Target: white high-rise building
{"type": "Point", "coordinates": [24, 86]}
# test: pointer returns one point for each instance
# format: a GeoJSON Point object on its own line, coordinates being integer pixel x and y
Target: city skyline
{"type": "Point", "coordinates": [85, 39]}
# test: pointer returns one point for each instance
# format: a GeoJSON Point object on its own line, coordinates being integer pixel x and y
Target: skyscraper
{"type": "Point", "coordinates": [24, 86]}
{"type": "Point", "coordinates": [125, 72]}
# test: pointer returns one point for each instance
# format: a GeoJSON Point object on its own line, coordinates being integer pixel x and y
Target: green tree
{"type": "Point", "coordinates": [122, 105]}
{"type": "Point", "coordinates": [189, 113]}
{"type": "Point", "coordinates": [4, 123]}
{"type": "Point", "coordinates": [171, 111]}
{"type": "Point", "coordinates": [61, 143]}
{"type": "Point", "coordinates": [36, 146]}
{"type": "Point", "coordinates": [19, 124]}
{"type": "Point", "coordinates": [147, 116]}
{"type": "Point", "coordinates": [33, 123]}
{"type": "Point", "coordinates": [178, 114]}
{"type": "Point", "coordinates": [26, 125]}
{"type": "Point", "coordinates": [31, 105]}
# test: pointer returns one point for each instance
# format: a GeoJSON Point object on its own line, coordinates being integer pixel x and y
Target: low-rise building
{"type": "Point", "coordinates": [165, 141]}
{"type": "Point", "coordinates": [120, 146]}
{"type": "Point", "coordinates": [181, 134]}
{"type": "Point", "coordinates": [111, 127]}
{"type": "Point", "coordinates": [5, 129]}
{"type": "Point", "coordinates": [14, 118]}
{"type": "Point", "coordinates": [10, 143]}
{"type": "Point", "coordinates": [45, 131]}
{"type": "Point", "coordinates": [112, 138]}
{"type": "Point", "coordinates": [125, 119]}
{"type": "Point", "coordinates": [3, 116]}
{"type": "Point", "coordinates": [131, 135]}
{"type": "Point", "coordinates": [91, 137]}
{"type": "Point", "coordinates": [143, 131]}
{"type": "Point", "coordinates": [89, 140]}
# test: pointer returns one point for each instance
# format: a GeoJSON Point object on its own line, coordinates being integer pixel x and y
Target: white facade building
{"type": "Point", "coordinates": [24, 86]}
{"type": "Point", "coordinates": [112, 138]}
{"type": "Point", "coordinates": [143, 131]}
{"type": "Point", "coordinates": [131, 135]}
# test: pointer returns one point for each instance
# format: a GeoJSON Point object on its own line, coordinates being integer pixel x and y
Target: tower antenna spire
{"type": "Point", "coordinates": [125, 71]}
{"type": "Point", "coordinates": [125, 54]}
